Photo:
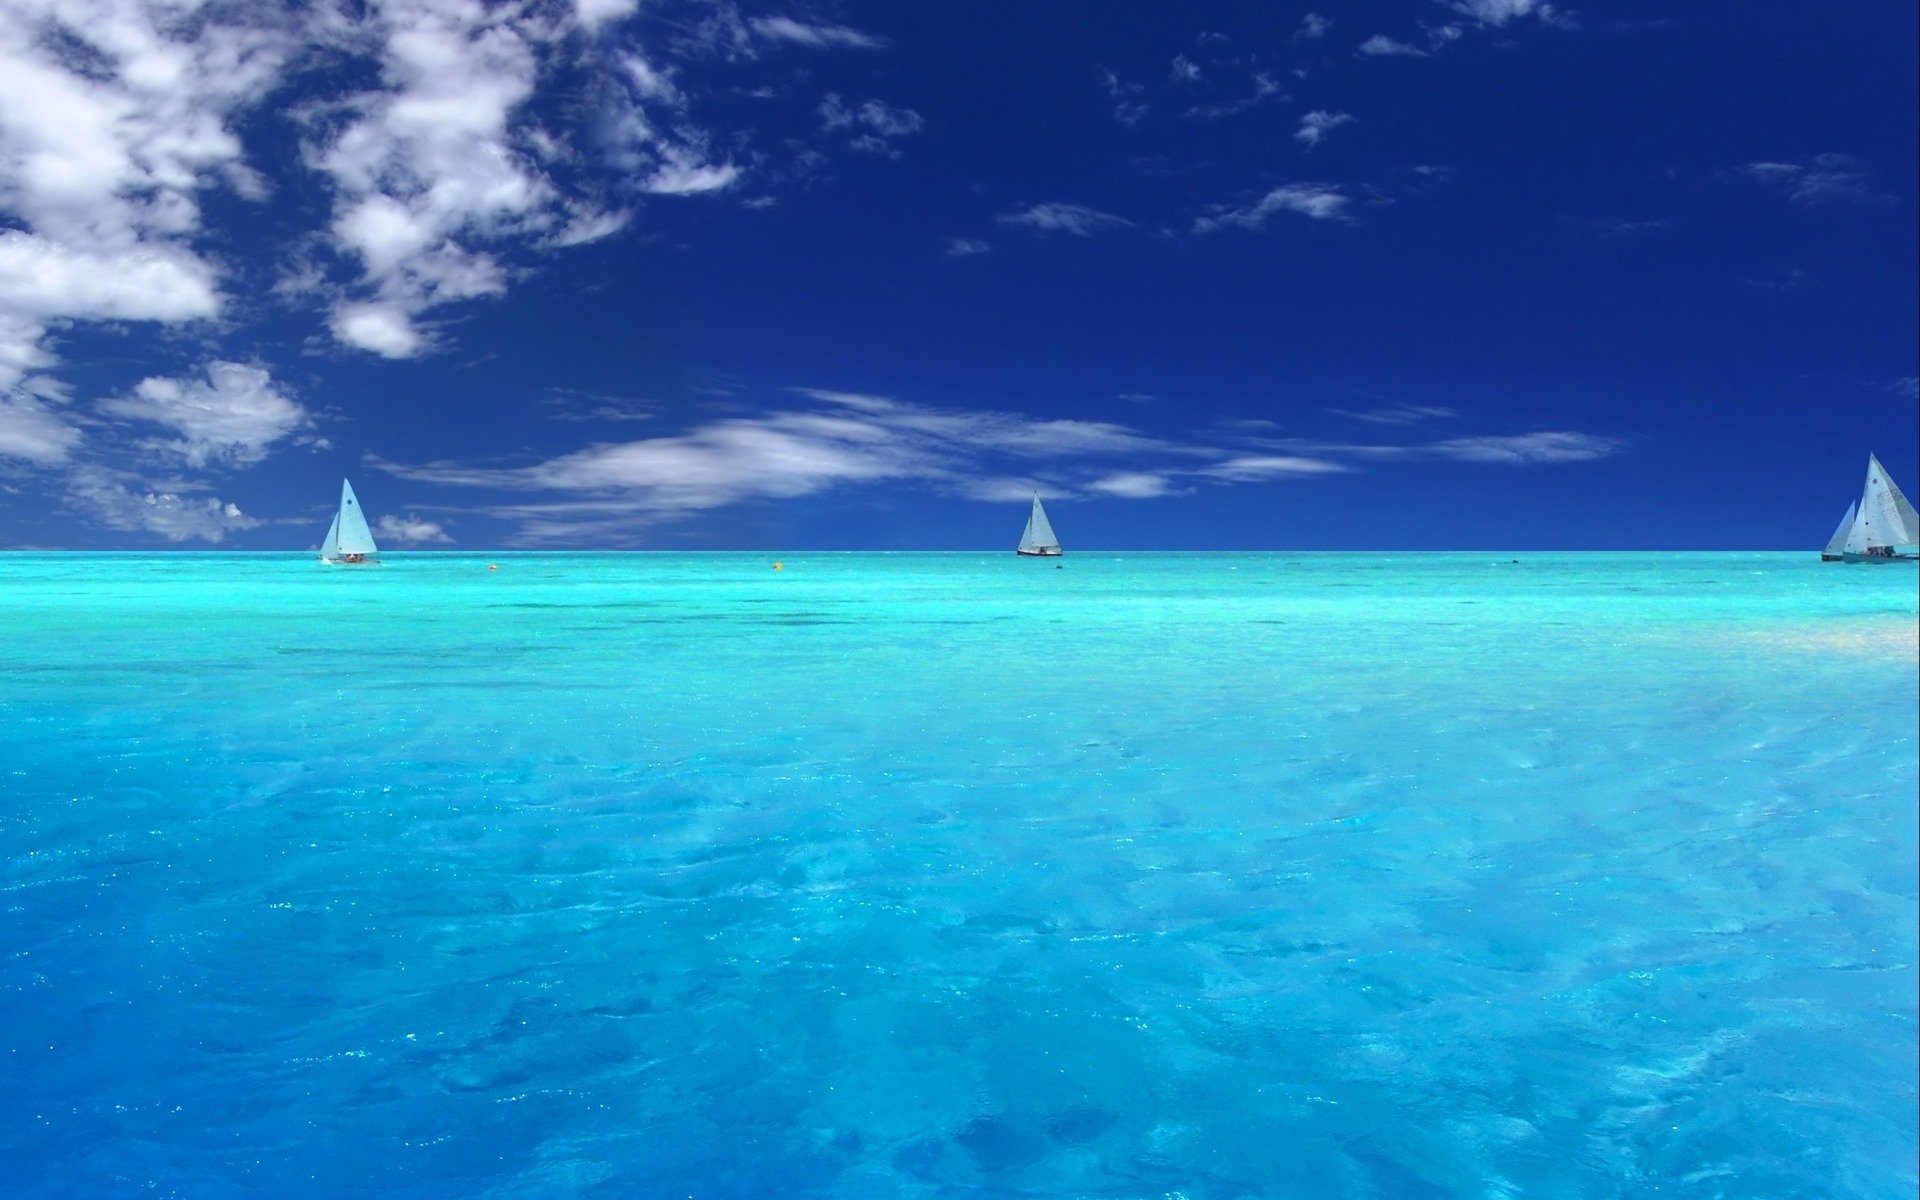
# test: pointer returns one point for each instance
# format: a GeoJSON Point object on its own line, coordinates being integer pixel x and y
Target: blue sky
{"type": "Point", "coordinates": [714, 274]}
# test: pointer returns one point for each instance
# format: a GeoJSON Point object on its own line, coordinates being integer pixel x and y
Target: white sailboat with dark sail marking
{"type": "Point", "coordinates": [1880, 527]}
{"type": "Point", "coordinates": [349, 542]}
{"type": "Point", "coordinates": [1038, 541]}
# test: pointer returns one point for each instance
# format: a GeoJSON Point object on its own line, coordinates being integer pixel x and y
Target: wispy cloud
{"type": "Point", "coordinates": [1131, 485]}
{"type": "Point", "coordinates": [1527, 448]}
{"type": "Point", "coordinates": [1319, 201]}
{"type": "Point", "coordinates": [33, 431]}
{"type": "Point", "coordinates": [1499, 12]}
{"type": "Point", "coordinates": [1076, 219]}
{"type": "Point", "coordinates": [1825, 179]}
{"type": "Point", "coordinates": [1249, 468]}
{"type": "Point", "coordinates": [1129, 99]}
{"type": "Point", "coordinates": [786, 29]}
{"type": "Point", "coordinates": [1398, 414]}
{"type": "Point", "coordinates": [1312, 25]}
{"type": "Point", "coordinates": [873, 126]}
{"type": "Point", "coordinates": [966, 247]}
{"type": "Point", "coordinates": [120, 500]}
{"type": "Point", "coordinates": [1316, 125]}
{"type": "Point", "coordinates": [1382, 46]}
{"type": "Point", "coordinates": [848, 439]}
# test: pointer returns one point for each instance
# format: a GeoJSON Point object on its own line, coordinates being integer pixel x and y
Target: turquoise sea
{"type": "Point", "coordinates": [926, 875]}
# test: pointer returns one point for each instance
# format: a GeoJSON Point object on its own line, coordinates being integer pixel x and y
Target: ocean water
{"type": "Point", "coordinates": [1202, 876]}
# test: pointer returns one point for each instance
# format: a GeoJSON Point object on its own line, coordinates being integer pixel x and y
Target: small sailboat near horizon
{"type": "Point", "coordinates": [1879, 527]}
{"type": "Point", "coordinates": [349, 542]}
{"type": "Point", "coordinates": [1038, 541]}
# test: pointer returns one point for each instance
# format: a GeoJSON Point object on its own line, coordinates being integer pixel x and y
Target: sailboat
{"type": "Point", "coordinates": [1880, 527]}
{"type": "Point", "coordinates": [1038, 541]}
{"type": "Point", "coordinates": [349, 542]}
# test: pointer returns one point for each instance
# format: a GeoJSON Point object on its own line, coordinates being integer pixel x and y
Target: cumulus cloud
{"type": "Point", "coordinates": [113, 120]}
{"type": "Point", "coordinates": [1313, 25]}
{"type": "Point", "coordinates": [232, 417]}
{"type": "Point", "coordinates": [410, 530]}
{"type": "Point", "coordinates": [120, 501]}
{"type": "Point", "coordinates": [1316, 124]}
{"type": "Point", "coordinates": [1076, 219]}
{"type": "Point", "coordinates": [1320, 201]}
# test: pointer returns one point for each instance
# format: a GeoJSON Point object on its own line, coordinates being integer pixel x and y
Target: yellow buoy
{"type": "Point", "coordinates": [493, 566]}
{"type": "Point", "coordinates": [779, 566]}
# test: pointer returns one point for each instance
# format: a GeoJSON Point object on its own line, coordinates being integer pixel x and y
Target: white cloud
{"type": "Point", "coordinates": [1131, 485]}
{"type": "Point", "coordinates": [410, 530]}
{"type": "Point", "coordinates": [232, 417]}
{"type": "Point", "coordinates": [114, 116]}
{"type": "Point", "coordinates": [426, 173]}
{"type": "Point", "coordinates": [32, 430]}
{"type": "Point", "coordinates": [1527, 448]}
{"type": "Point", "coordinates": [1247, 468]}
{"type": "Point", "coordinates": [1398, 414]}
{"type": "Point", "coordinates": [1184, 70]}
{"type": "Point", "coordinates": [384, 327]}
{"type": "Point", "coordinates": [1382, 46]}
{"type": "Point", "coordinates": [966, 247]}
{"type": "Point", "coordinates": [119, 501]}
{"type": "Point", "coordinates": [851, 438]}
{"type": "Point", "coordinates": [1317, 123]}
{"type": "Point", "coordinates": [1826, 178]}
{"type": "Point", "coordinates": [786, 29]}
{"type": "Point", "coordinates": [1129, 104]}
{"type": "Point", "coordinates": [1499, 12]}
{"type": "Point", "coordinates": [873, 124]}
{"type": "Point", "coordinates": [620, 489]}
{"type": "Point", "coordinates": [595, 13]}
{"type": "Point", "coordinates": [1908, 387]}
{"type": "Point", "coordinates": [1320, 201]}
{"type": "Point", "coordinates": [1076, 219]}
{"type": "Point", "coordinates": [1313, 25]}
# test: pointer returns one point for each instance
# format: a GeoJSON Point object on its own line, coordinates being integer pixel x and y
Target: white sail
{"type": "Point", "coordinates": [330, 548]}
{"type": "Point", "coordinates": [1038, 539]}
{"type": "Point", "coordinates": [353, 536]}
{"type": "Point", "coordinates": [1838, 541]}
{"type": "Point", "coordinates": [1890, 519]}
{"type": "Point", "coordinates": [1857, 534]}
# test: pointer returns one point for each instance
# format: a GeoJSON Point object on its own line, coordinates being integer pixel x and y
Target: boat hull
{"type": "Point", "coordinates": [1039, 553]}
{"type": "Point", "coordinates": [334, 562]}
{"type": "Point", "coordinates": [1870, 558]}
